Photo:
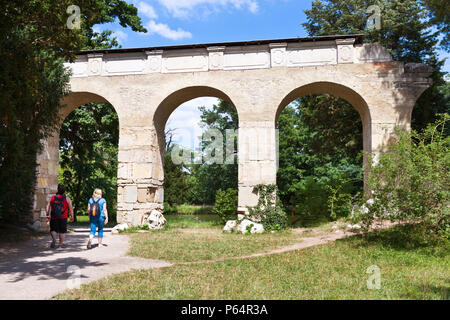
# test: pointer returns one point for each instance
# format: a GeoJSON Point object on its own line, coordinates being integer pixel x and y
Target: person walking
{"type": "Point", "coordinates": [57, 212]}
{"type": "Point", "coordinates": [98, 216]}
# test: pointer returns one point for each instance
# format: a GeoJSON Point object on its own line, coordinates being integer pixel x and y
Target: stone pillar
{"type": "Point", "coordinates": [47, 179]}
{"type": "Point", "coordinates": [140, 175]}
{"type": "Point", "coordinates": [258, 159]}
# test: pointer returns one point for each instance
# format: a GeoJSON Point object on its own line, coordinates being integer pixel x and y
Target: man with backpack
{"type": "Point", "coordinates": [57, 212]}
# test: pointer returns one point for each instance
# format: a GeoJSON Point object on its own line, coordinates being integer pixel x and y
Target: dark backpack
{"type": "Point", "coordinates": [58, 207]}
{"type": "Point", "coordinates": [94, 208]}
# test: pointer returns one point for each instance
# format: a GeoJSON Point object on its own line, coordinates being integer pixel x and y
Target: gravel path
{"type": "Point", "coordinates": [33, 271]}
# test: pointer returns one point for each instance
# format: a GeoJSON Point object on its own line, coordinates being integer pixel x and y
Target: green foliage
{"type": "Point", "coordinates": [410, 181]}
{"type": "Point", "coordinates": [440, 17]}
{"type": "Point", "coordinates": [33, 82]}
{"type": "Point", "coordinates": [45, 23]}
{"type": "Point", "coordinates": [226, 204]}
{"type": "Point", "coordinates": [316, 151]}
{"type": "Point", "coordinates": [88, 155]}
{"type": "Point", "coordinates": [198, 183]}
{"type": "Point", "coordinates": [321, 135]}
{"type": "Point", "coordinates": [203, 181]}
{"type": "Point", "coordinates": [269, 208]}
{"type": "Point", "coordinates": [176, 188]}
{"type": "Point", "coordinates": [34, 42]}
{"type": "Point", "coordinates": [187, 209]}
{"type": "Point", "coordinates": [406, 32]}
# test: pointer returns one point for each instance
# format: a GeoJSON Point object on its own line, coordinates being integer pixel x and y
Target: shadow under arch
{"type": "Point", "coordinates": [173, 101]}
{"type": "Point", "coordinates": [340, 91]}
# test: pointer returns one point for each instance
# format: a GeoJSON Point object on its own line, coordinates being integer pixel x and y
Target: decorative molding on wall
{"type": "Point", "coordinates": [273, 55]}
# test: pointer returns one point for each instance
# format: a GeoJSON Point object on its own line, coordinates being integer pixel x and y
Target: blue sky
{"type": "Point", "coordinates": [173, 22]}
{"type": "Point", "coordinates": [177, 22]}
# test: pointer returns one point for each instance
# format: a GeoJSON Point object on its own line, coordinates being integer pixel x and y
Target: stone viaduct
{"type": "Point", "coordinates": [259, 78]}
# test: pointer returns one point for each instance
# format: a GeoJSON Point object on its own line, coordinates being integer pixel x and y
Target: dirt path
{"type": "Point", "coordinates": [34, 271]}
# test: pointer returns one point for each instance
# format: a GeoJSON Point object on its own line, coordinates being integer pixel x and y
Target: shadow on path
{"type": "Point", "coordinates": [33, 270]}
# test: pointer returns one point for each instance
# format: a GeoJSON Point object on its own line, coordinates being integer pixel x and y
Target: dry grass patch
{"type": "Point", "coordinates": [194, 244]}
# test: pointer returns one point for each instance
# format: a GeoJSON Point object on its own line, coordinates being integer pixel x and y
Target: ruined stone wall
{"type": "Point", "coordinates": [145, 88]}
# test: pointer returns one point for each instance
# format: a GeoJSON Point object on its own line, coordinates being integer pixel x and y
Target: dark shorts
{"type": "Point", "coordinates": [58, 225]}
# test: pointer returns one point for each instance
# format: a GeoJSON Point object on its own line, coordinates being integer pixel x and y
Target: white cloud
{"type": "Point", "coordinates": [185, 8]}
{"type": "Point", "coordinates": [165, 31]}
{"type": "Point", "coordinates": [121, 36]}
{"type": "Point", "coordinates": [185, 121]}
{"type": "Point", "coordinates": [147, 10]}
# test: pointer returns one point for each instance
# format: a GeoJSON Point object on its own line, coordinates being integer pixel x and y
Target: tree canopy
{"type": "Point", "coordinates": [34, 42]}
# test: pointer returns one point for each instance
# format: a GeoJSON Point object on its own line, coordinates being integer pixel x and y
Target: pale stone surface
{"type": "Point", "coordinates": [255, 227]}
{"type": "Point", "coordinates": [259, 79]}
{"type": "Point", "coordinates": [230, 226]}
{"type": "Point", "coordinates": [156, 220]}
{"type": "Point", "coordinates": [119, 227]}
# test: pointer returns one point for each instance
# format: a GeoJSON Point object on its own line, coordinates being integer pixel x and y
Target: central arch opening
{"type": "Point", "coordinates": [197, 125]}
{"type": "Point", "coordinates": [323, 130]}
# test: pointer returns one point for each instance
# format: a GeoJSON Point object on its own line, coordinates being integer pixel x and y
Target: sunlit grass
{"type": "Point", "coordinates": [411, 268]}
{"type": "Point", "coordinates": [199, 243]}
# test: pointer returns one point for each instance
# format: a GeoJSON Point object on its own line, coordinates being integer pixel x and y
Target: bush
{"type": "Point", "coordinates": [168, 209]}
{"type": "Point", "coordinates": [226, 204]}
{"type": "Point", "coordinates": [269, 208]}
{"type": "Point", "coordinates": [410, 181]}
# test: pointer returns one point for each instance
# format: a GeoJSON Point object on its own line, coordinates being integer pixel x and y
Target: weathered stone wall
{"type": "Point", "coordinates": [145, 88]}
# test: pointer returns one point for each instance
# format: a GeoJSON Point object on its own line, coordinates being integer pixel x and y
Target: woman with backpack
{"type": "Point", "coordinates": [98, 216]}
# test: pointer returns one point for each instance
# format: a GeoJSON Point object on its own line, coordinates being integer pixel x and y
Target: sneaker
{"type": "Point", "coordinates": [53, 244]}
{"type": "Point", "coordinates": [63, 246]}
{"type": "Point", "coordinates": [89, 244]}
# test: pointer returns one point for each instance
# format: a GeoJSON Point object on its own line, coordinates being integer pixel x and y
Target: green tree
{"type": "Point", "coordinates": [440, 17]}
{"type": "Point", "coordinates": [406, 32]}
{"type": "Point", "coordinates": [89, 159]}
{"type": "Point", "coordinates": [88, 153]}
{"type": "Point", "coordinates": [31, 88]}
{"type": "Point", "coordinates": [34, 42]}
{"type": "Point", "coordinates": [176, 187]}
{"type": "Point", "coordinates": [317, 151]}
{"type": "Point", "coordinates": [207, 179]}
{"type": "Point", "coordinates": [410, 180]}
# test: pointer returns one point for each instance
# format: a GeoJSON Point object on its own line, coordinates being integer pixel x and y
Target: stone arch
{"type": "Point", "coordinates": [78, 99]}
{"type": "Point", "coordinates": [340, 91]}
{"type": "Point", "coordinates": [173, 101]}
{"type": "Point", "coordinates": [48, 159]}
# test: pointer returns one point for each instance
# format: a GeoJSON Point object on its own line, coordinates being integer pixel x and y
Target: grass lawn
{"type": "Point", "coordinates": [188, 238]}
{"type": "Point", "coordinates": [410, 269]}
{"type": "Point", "coordinates": [200, 243]}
